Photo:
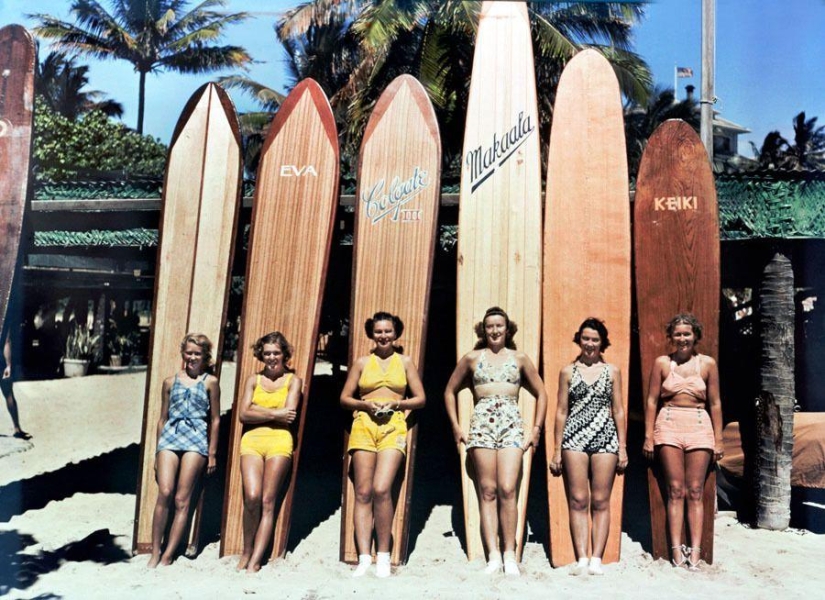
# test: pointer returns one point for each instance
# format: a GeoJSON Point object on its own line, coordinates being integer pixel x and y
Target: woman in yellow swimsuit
{"type": "Point", "coordinates": [375, 390]}
{"type": "Point", "coordinates": [268, 408]}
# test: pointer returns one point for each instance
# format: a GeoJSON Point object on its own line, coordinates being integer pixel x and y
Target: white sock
{"type": "Point", "coordinates": [364, 562]}
{"type": "Point", "coordinates": [595, 567]}
{"type": "Point", "coordinates": [511, 564]}
{"type": "Point", "coordinates": [494, 564]}
{"type": "Point", "coordinates": [383, 568]}
{"type": "Point", "coordinates": [580, 568]}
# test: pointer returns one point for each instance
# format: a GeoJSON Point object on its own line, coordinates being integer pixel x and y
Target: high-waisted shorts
{"type": "Point", "coordinates": [685, 428]}
{"type": "Point", "coordinates": [267, 442]}
{"type": "Point", "coordinates": [376, 434]}
{"type": "Point", "coordinates": [496, 423]}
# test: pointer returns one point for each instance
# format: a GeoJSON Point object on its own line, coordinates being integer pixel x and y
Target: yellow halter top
{"type": "Point", "coordinates": [374, 377]}
{"type": "Point", "coordinates": [276, 399]}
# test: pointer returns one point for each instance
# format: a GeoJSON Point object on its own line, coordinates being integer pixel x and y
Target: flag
{"type": "Point", "coordinates": [684, 72]}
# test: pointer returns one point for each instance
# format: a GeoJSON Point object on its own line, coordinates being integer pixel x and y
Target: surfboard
{"type": "Point", "coordinates": [293, 216]}
{"type": "Point", "coordinates": [199, 210]}
{"type": "Point", "coordinates": [16, 102]}
{"type": "Point", "coordinates": [499, 222]}
{"type": "Point", "coordinates": [676, 230]}
{"type": "Point", "coordinates": [587, 254]}
{"type": "Point", "coordinates": [399, 186]}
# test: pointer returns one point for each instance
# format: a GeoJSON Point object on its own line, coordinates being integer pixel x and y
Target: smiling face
{"type": "Point", "coordinates": [683, 337]}
{"type": "Point", "coordinates": [590, 343]}
{"type": "Point", "coordinates": [192, 355]}
{"type": "Point", "coordinates": [383, 333]}
{"type": "Point", "coordinates": [495, 330]}
{"type": "Point", "coordinates": [272, 356]}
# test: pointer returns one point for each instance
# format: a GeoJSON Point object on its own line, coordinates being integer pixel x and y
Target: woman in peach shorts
{"type": "Point", "coordinates": [687, 431]}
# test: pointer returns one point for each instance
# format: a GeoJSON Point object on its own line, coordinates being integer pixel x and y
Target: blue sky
{"type": "Point", "coordinates": [770, 59]}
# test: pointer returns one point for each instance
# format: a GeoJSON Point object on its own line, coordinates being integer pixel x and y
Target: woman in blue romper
{"type": "Point", "coordinates": [187, 441]}
{"type": "Point", "coordinates": [590, 443]}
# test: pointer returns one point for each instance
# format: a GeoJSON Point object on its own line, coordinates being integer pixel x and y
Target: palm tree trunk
{"type": "Point", "coordinates": [141, 101]}
{"type": "Point", "coordinates": [774, 406]}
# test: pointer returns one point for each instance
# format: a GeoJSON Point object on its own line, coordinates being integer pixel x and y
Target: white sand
{"type": "Point", "coordinates": [77, 545]}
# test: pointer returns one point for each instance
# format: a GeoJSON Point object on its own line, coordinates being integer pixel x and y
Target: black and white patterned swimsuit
{"type": "Point", "coordinates": [590, 427]}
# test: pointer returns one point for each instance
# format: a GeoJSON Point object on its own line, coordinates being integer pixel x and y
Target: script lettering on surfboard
{"type": "Point", "coordinates": [675, 203]}
{"type": "Point", "coordinates": [483, 161]}
{"type": "Point", "coordinates": [298, 171]}
{"type": "Point", "coordinates": [381, 205]}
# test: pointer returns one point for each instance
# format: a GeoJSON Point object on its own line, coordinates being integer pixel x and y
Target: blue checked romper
{"type": "Point", "coordinates": [185, 428]}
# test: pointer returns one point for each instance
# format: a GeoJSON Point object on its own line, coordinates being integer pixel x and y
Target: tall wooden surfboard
{"type": "Point", "coordinates": [16, 103]}
{"type": "Point", "coordinates": [676, 230]}
{"type": "Point", "coordinates": [201, 201]}
{"type": "Point", "coordinates": [499, 223]}
{"type": "Point", "coordinates": [399, 186]}
{"type": "Point", "coordinates": [586, 254]}
{"type": "Point", "coordinates": [293, 216]}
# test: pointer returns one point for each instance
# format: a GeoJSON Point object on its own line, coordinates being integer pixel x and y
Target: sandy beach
{"type": "Point", "coordinates": [67, 510]}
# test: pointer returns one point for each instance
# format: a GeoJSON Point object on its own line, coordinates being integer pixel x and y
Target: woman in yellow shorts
{"type": "Point", "coordinates": [268, 408]}
{"type": "Point", "coordinates": [375, 390]}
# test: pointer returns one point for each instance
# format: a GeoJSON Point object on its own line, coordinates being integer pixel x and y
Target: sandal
{"type": "Point", "coordinates": [22, 435]}
{"type": "Point", "coordinates": [683, 550]}
{"type": "Point", "coordinates": [693, 566]}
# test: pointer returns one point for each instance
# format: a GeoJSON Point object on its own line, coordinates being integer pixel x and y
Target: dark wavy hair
{"type": "Point", "coordinates": [596, 325]}
{"type": "Point", "coordinates": [274, 337]}
{"type": "Point", "coordinates": [202, 342]}
{"type": "Point", "coordinates": [512, 328]}
{"type": "Point", "coordinates": [381, 315]}
{"type": "Point", "coordinates": [685, 319]}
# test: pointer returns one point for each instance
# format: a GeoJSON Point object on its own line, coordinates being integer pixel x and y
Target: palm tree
{"type": "Point", "coordinates": [774, 151]}
{"type": "Point", "coordinates": [808, 149]}
{"type": "Point", "coordinates": [153, 35]}
{"type": "Point", "coordinates": [60, 82]}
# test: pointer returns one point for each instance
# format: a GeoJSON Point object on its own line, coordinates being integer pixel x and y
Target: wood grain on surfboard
{"type": "Point", "coordinates": [201, 201]}
{"type": "Point", "coordinates": [587, 254]}
{"type": "Point", "coordinates": [499, 224]}
{"type": "Point", "coordinates": [677, 269]}
{"type": "Point", "coordinates": [395, 229]}
{"type": "Point", "coordinates": [16, 102]}
{"type": "Point", "coordinates": [293, 216]}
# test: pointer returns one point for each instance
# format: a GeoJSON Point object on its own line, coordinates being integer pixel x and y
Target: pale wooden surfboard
{"type": "Point", "coordinates": [201, 201]}
{"type": "Point", "coordinates": [677, 265]}
{"type": "Point", "coordinates": [395, 228]}
{"type": "Point", "coordinates": [293, 216]}
{"type": "Point", "coordinates": [499, 223]}
{"type": "Point", "coordinates": [586, 254]}
{"type": "Point", "coordinates": [16, 102]}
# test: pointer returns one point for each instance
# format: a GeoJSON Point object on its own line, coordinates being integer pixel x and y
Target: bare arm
{"type": "Point", "coordinates": [560, 420]}
{"type": "Point", "coordinates": [418, 398]}
{"type": "Point", "coordinates": [534, 385]}
{"type": "Point", "coordinates": [214, 389]}
{"type": "Point", "coordinates": [164, 405]}
{"type": "Point", "coordinates": [252, 414]}
{"type": "Point", "coordinates": [454, 385]}
{"type": "Point", "coordinates": [619, 417]}
{"type": "Point", "coordinates": [348, 399]}
{"type": "Point", "coordinates": [715, 407]}
{"type": "Point", "coordinates": [654, 388]}
{"type": "Point", "coordinates": [7, 358]}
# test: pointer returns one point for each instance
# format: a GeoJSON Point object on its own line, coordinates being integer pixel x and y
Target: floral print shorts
{"type": "Point", "coordinates": [496, 423]}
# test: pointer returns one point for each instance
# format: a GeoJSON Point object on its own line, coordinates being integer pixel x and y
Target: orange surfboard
{"type": "Point", "coordinates": [499, 222]}
{"type": "Point", "coordinates": [395, 227]}
{"type": "Point", "coordinates": [586, 254]}
{"type": "Point", "coordinates": [293, 215]}
{"type": "Point", "coordinates": [16, 103]}
{"type": "Point", "coordinates": [201, 200]}
{"type": "Point", "coordinates": [676, 230]}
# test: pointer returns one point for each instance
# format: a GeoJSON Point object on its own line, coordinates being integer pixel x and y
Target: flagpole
{"type": "Point", "coordinates": [707, 97]}
{"type": "Point", "coordinates": [675, 82]}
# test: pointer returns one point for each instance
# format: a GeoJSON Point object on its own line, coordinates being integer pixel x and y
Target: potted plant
{"type": "Point", "coordinates": [81, 347]}
{"type": "Point", "coordinates": [119, 346]}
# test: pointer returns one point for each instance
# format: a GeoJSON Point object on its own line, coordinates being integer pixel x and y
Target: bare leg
{"type": "Point", "coordinates": [166, 471]}
{"type": "Point", "coordinates": [696, 469]}
{"type": "Point", "coordinates": [363, 463]}
{"type": "Point", "coordinates": [191, 467]}
{"type": "Point", "coordinates": [275, 470]}
{"type": "Point", "coordinates": [577, 485]}
{"type": "Point", "coordinates": [252, 475]}
{"type": "Point", "coordinates": [386, 469]}
{"type": "Point", "coordinates": [673, 465]}
{"type": "Point", "coordinates": [485, 463]}
{"type": "Point", "coordinates": [603, 476]}
{"type": "Point", "coordinates": [507, 474]}
{"type": "Point", "coordinates": [11, 405]}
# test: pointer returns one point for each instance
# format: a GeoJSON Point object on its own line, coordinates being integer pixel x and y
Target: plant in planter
{"type": "Point", "coordinates": [119, 347]}
{"type": "Point", "coordinates": [81, 348]}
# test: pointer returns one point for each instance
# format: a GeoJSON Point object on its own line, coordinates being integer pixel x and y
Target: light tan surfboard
{"type": "Point", "coordinates": [16, 103]}
{"type": "Point", "coordinates": [586, 254]}
{"type": "Point", "coordinates": [677, 265]}
{"type": "Point", "coordinates": [499, 223]}
{"type": "Point", "coordinates": [201, 200]}
{"type": "Point", "coordinates": [395, 227]}
{"type": "Point", "coordinates": [293, 216]}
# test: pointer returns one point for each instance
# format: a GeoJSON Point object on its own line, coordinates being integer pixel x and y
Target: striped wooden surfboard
{"type": "Point", "coordinates": [395, 227]}
{"type": "Point", "coordinates": [499, 224]}
{"type": "Point", "coordinates": [586, 254]}
{"type": "Point", "coordinates": [293, 216]}
{"type": "Point", "coordinates": [16, 102]}
{"type": "Point", "coordinates": [201, 200]}
{"type": "Point", "coordinates": [677, 265]}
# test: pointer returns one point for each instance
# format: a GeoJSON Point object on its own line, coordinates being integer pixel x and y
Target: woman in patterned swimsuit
{"type": "Point", "coordinates": [590, 434]}
{"type": "Point", "coordinates": [497, 440]}
{"type": "Point", "coordinates": [187, 441]}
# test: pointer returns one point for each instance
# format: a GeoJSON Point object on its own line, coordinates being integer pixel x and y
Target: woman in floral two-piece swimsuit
{"type": "Point", "coordinates": [497, 440]}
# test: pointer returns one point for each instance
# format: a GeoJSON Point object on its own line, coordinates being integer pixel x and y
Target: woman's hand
{"type": "Point", "coordinates": [458, 436]}
{"type": "Point", "coordinates": [532, 439]}
{"type": "Point", "coordinates": [211, 464]}
{"type": "Point", "coordinates": [719, 451]}
{"type": "Point", "coordinates": [285, 416]}
{"type": "Point", "coordinates": [7, 372]}
{"type": "Point", "coordinates": [622, 464]}
{"type": "Point", "coordinates": [647, 448]}
{"type": "Point", "coordinates": [555, 463]}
